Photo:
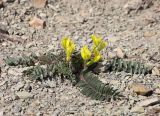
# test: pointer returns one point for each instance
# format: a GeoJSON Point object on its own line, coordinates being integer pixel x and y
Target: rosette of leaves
{"type": "Point", "coordinates": [71, 65]}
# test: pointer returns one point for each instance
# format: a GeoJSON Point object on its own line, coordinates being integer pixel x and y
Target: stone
{"type": "Point", "coordinates": [18, 86]}
{"type": "Point", "coordinates": [132, 5]}
{"type": "Point", "coordinates": [1, 3]}
{"type": "Point", "coordinates": [28, 87]}
{"type": "Point", "coordinates": [35, 103]}
{"type": "Point", "coordinates": [111, 54]}
{"type": "Point", "coordinates": [88, 113]}
{"type": "Point", "coordinates": [24, 95]}
{"type": "Point", "coordinates": [137, 5]}
{"type": "Point", "coordinates": [30, 44]}
{"type": "Point", "coordinates": [146, 19]}
{"type": "Point", "coordinates": [14, 71]}
{"type": "Point", "coordinates": [39, 114]}
{"type": "Point", "coordinates": [1, 61]}
{"type": "Point", "coordinates": [49, 83]}
{"type": "Point", "coordinates": [39, 3]}
{"type": "Point", "coordinates": [141, 89]}
{"type": "Point", "coordinates": [108, 108]}
{"type": "Point", "coordinates": [56, 113]}
{"type": "Point", "coordinates": [119, 53]}
{"type": "Point", "coordinates": [3, 82]}
{"type": "Point", "coordinates": [154, 112]}
{"type": "Point", "coordinates": [149, 34]}
{"type": "Point", "coordinates": [1, 113]}
{"type": "Point", "coordinates": [149, 102]}
{"type": "Point", "coordinates": [37, 23]}
{"type": "Point", "coordinates": [157, 91]}
{"type": "Point", "coordinates": [156, 71]}
{"type": "Point", "coordinates": [43, 15]}
{"type": "Point", "coordinates": [137, 109]}
{"type": "Point", "coordinates": [118, 112]}
{"type": "Point", "coordinates": [17, 108]}
{"type": "Point", "coordinates": [113, 39]}
{"type": "Point", "coordinates": [51, 90]}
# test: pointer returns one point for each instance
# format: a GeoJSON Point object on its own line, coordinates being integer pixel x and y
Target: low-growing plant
{"type": "Point", "coordinates": [72, 64]}
{"type": "Point", "coordinates": [77, 65]}
{"type": "Point", "coordinates": [86, 59]}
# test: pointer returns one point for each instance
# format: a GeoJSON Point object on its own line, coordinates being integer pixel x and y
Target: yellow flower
{"type": "Point", "coordinates": [97, 57]}
{"type": "Point", "coordinates": [85, 53]}
{"type": "Point", "coordinates": [67, 42]}
{"type": "Point", "coordinates": [96, 40]}
{"type": "Point", "coordinates": [99, 44]}
{"type": "Point", "coordinates": [102, 45]}
{"type": "Point", "coordinates": [69, 52]}
{"type": "Point", "coordinates": [68, 46]}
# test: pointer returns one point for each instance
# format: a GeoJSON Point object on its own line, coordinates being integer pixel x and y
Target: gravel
{"type": "Point", "coordinates": [136, 33]}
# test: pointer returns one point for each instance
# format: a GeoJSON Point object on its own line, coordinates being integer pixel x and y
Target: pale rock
{"type": "Point", "coordinates": [4, 44]}
{"type": "Point", "coordinates": [156, 71]}
{"type": "Point", "coordinates": [154, 111]}
{"type": "Point", "coordinates": [51, 90]}
{"type": "Point", "coordinates": [3, 74]}
{"type": "Point", "coordinates": [56, 112]}
{"type": "Point", "coordinates": [146, 18]}
{"type": "Point", "coordinates": [149, 34]}
{"type": "Point", "coordinates": [114, 82]}
{"type": "Point", "coordinates": [39, 114]}
{"type": "Point", "coordinates": [1, 113]}
{"type": "Point", "coordinates": [149, 102]}
{"type": "Point", "coordinates": [18, 86]}
{"type": "Point", "coordinates": [137, 4]}
{"type": "Point", "coordinates": [39, 3]}
{"type": "Point", "coordinates": [88, 113]}
{"type": "Point", "coordinates": [24, 95]}
{"type": "Point", "coordinates": [49, 83]}
{"type": "Point", "coordinates": [108, 108]}
{"type": "Point", "coordinates": [137, 109]}
{"type": "Point", "coordinates": [141, 89]}
{"type": "Point", "coordinates": [28, 87]}
{"type": "Point", "coordinates": [112, 39]}
{"type": "Point", "coordinates": [43, 15]}
{"type": "Point", "coordinates": [132, 4]}
{"type": "Point", "coordinates": [111, 54]}
{"type": "Point", "coordinates": [37, 23]}
{"type": "Point", "coordinates": [157, 85]}
{"type": "Point", "coordinates": [157, 91]}
{"type": "Point", "coordinates": [14, 71]}
{"type": "Point", "coordinates": [3, 82]}
{"type": "Point", "coordinates": [119, 53]}
{"type": "Point", "coordinates": [31, 44]}
{"type": "Point", "coordinates": [62, 19]}
{"type": "Point", "coordinates": [35, 103]}
{"type": "Point", "coordinates": [118, 112]}
{"type": "Point", "coordinates": [1, 61]}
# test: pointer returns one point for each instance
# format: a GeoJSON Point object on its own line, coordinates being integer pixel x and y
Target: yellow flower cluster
{"type": "Point", "coordinates": [68, 46]}
{"type": "Point", "coordinates": [89, 56]}
{"type": "Point", "coordinates": [98, 45]}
